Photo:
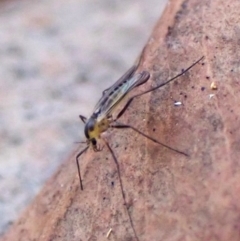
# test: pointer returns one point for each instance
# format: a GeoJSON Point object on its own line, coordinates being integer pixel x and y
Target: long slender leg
{"type": "Point", "coordinates": [121, 185]}
{"type": "Point", "coordinates": [78, 166]}
{"type": "Point", "coordinates": [154, 88]}
{"type": "Point", "coordinates": [124, 126]}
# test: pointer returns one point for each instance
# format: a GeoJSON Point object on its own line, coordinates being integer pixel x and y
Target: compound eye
{"type": "Point", "coordinates": [89, 127]}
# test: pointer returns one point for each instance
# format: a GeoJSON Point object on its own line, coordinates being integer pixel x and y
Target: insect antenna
{"type": "Point", "coordinates": [121, 185]}
{"type": "Point", "coordinates": [124, 126]}
{"type": "Point", "coordinates": [78, 166]}
{"type": "Point", "coordinates": [155, 88]}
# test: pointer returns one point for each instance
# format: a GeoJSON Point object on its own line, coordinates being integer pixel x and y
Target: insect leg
{"type": "Point", "coordinates": [124, 126]}
{"type": "Point", "coordinates": [121, 185]}
{"type": "Point", "coordinates": [78, 166]}
{"type": "Point", "coordinates": [83, 118]}
{"type": "Point", "coordinates": [154, 88]}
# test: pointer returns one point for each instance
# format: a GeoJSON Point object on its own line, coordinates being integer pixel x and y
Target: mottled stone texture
{"type": "Point", "coordinates": [170, 196]}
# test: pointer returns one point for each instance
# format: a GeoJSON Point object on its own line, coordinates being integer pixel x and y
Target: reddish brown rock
{"type": "Point", "coordinates": [170, 196]}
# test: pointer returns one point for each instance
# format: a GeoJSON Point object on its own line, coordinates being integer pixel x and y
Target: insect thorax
{"type": "Point", "coordinates": [94, 128]}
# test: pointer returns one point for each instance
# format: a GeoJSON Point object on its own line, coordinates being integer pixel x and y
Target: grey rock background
{"type": "Point", "coordinates": [56, 58]}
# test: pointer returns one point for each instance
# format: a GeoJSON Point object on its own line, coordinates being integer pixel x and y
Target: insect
{"type": "Point", "coordinates": [102, 119]}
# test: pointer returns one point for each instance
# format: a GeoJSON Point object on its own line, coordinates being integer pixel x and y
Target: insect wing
{"type": "Point", "coordinates": [126, 76]}
{"type": "Point", "coordinates": [106, 92]}
{"type": "Point", "coordinates": [117, 92]}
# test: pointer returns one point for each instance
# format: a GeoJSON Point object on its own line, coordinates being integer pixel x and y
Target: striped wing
{"type": "Point", "coordinates": [113, 95]}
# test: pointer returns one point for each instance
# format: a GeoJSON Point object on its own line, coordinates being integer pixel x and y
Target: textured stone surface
{"type": "Point", "coordinates": [170, 196]}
